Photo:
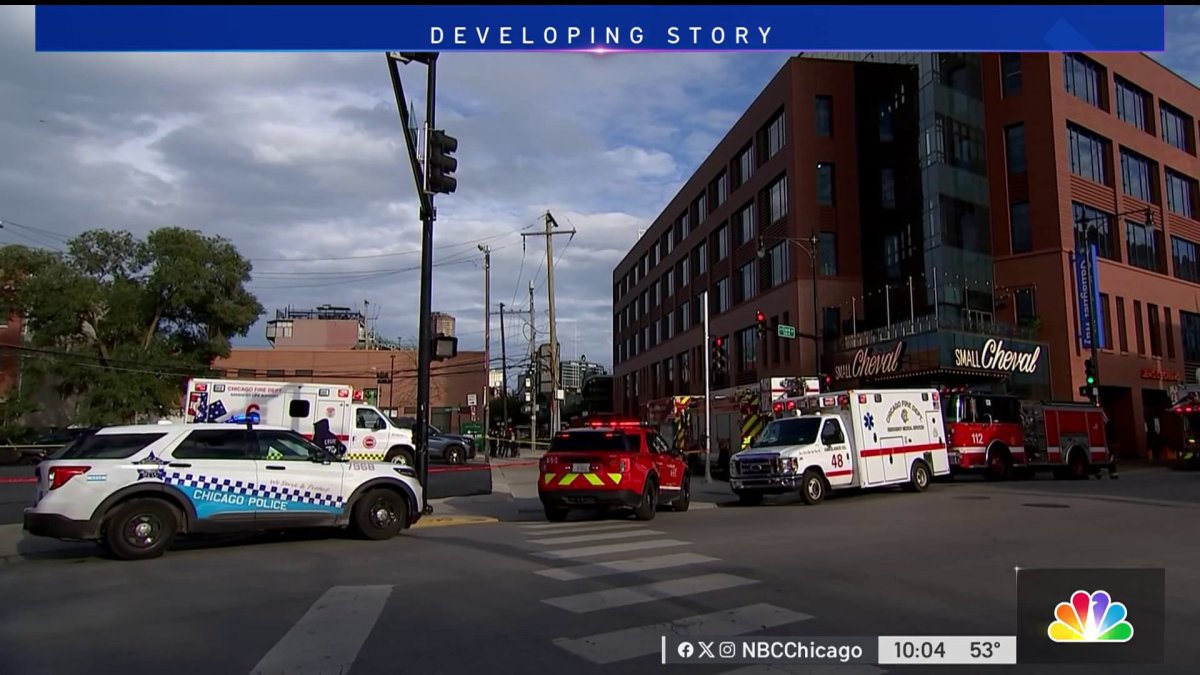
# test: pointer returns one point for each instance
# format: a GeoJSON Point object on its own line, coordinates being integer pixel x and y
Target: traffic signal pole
{"type": "Point", "coordinates": [708, 350]}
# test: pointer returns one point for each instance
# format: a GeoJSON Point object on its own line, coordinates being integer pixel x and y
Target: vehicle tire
{"type": "Point", "coordinates": [999, 464]}
{"type": "Point", "coordinates": [648, 504]}
{"type": "Point", "coordinates": [919, 477]}
{"type": "Point", "coordinates": [455, 455]}
{"type": "Point", "coordinates": [555, 514]}
{"type": "Point", "coordinates": [684, 500]}
{"type": "Point", "coordinates": [813, 487]}
{"type": "Point", "coordinates": [140, 529]}
{"type": "Point", "coordinates": [749, 498]}
{"type": "Point", "coordinates": [402, 455]}
{"type": "Point", "coordinates": [1077, 465]}
{"type": "Point", "coordinates": [380, 514]}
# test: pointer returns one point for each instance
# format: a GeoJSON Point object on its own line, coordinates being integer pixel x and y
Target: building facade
{"type": "Point", "coordinates": [943, 191]}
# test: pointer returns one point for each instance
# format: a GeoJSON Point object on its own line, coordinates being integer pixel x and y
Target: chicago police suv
{"type": "Point", "coordinates": [132, 489]}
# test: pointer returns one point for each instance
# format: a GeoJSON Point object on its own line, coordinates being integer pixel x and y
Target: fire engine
{"type": "Point", "coordinates": [617, 464]}
{"type": "Point", "coordinates": [1188, 408]}
{"type": "Point", "coordinates": [841, 440]}
{"type": "Point", "coordinates": [1002, 435]}
{"type": "Point", "coordinates": [367, 433]}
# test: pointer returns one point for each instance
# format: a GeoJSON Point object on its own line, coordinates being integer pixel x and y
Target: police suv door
{"type": "Point", "coordinates": [294, 490]}
{"type": "Point", "coordinates": [838, 462]}
{"type": "Point", "coordinates": [215, 471]}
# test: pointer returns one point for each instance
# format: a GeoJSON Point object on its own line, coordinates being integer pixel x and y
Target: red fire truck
{"type": "Point", "coordinates": [1002, 436]}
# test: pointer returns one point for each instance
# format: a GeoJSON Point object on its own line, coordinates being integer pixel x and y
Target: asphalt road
{"type": "Point", "coordinates": [514, 597]}
{"type": "Point", "coordinates": [17, 490]}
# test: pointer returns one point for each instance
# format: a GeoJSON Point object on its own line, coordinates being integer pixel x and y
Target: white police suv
{"type": "Point", "coordinates": [134, 488]}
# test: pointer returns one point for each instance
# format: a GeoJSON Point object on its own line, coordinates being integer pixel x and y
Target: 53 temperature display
{"type": "Point", "coordinates": [956, 649]}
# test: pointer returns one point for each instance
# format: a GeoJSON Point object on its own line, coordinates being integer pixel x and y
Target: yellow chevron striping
{"type": "Point", "coordinates": [593, 479]}
{"type": "Point", "coordinates": [567, 479]}
{"type": "Point", "coordinates": [615, 477]}
{"type": "Point", "coordinates": [548, 477]}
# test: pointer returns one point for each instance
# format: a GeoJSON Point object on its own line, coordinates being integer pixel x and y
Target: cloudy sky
{"type": "Point", "coordinates": [299, 160]}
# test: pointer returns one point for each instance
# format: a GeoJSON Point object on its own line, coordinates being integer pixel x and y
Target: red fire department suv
{"type": "Point", "coordinates": [618, 465]}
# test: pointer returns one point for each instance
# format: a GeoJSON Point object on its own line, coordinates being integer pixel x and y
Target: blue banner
{"type": "Point", "coordinates": [1087, 295]}
{"type": "Point", "coordinates": [330, 28]}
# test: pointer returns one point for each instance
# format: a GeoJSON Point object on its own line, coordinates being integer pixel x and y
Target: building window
{"type": "Point", "coordinates": [824, 116]}
{"type": "Point", "coordinates": [777, 200]}
{"type": "Point", "coordinates": [1181, 194]}
{"type": "Point", "coordinates": [1170, 332]}
{"type": "Point", "coordinates": [668, 240]}
{"type": "Point", "coordinates": [1122, 333]}
{"type": "Point", "coordinates": [1184, 259]}
{"type": "Point", "coordinates": [1088, 153]}
{"type": "Point", "coordinates": [701, 208]}
{"type": "Point", "coordinates": [1189, 331]}
{"type": "Point", "coordinates": [722, 239]}
{"type": "Point", "coordinates": [746, 278]}
{"type": "Point", "coordinates": [1138, 331]}
{"type": "Point", "coordinates": [721, 189]}
{"type": "Point", "coordinates": [657, 290]}
{"type": "Point", "coordinates": [1010, 73]}
{"type": "Point", "coordinates": [891, 256]}
{"type": "Point", "coordinates": [1143, 246]}
{"type": "Point", "coordinates": [1105, 322]}
{"type": "Point", "coordinates": [747, 341]}
{"type": "Point", "coordinates": [960, 144]}
{"type": "Point", "coordinates": [686, 265]}
{"type": "Point", "coordinates": [275, 372]}
{"type": "Point", "coordinates": [743, 223]}
{"type": "Point", "coordinates": [886, 122]}
{"type": "Point", "coordinates": [685, 369]}
{"type": "Point", "coordinates": [1105, 236]}
{"type": "Point", "coordinates": [780, 264]}
{"type": "Point", "coordinates": [244, 372]}
{"type": "Point", "coordinates": [685, 316]}
{"type": "Point", "coordinates": [776, 135]}
{"type": "Point", "coordinates": [1082, 78]}
{"type": "Point", "coordinates": [1155, 330]}
{"type": "Point", "coordinates": [825, 184]}
{"type": "Point", "coordinates": [701, 257]}
{"type": "Point", "coordinates": [1014, 148]}
{"type": "Point", "coordinates": [1176, 127]}
{"type": "Point", "coordinates": [1022, 237]}
{"type": "Point", "coordinates": [828, 254]}
{"type": "Point", "coordinates": [1131, 104]}
{"type": "Point", "coordinates": [745, 165]}
{"type": "Point", "coordinates": [668, 285]}
{"type": "Point", "coordinates": [721, 296]}
{"type": "Point", "coordinates": [1137, 175]}
{"type": "Point", "coordinates": [1026, 305]}
{"type": "Point", "coordinates": [887, 188]}
{"type": "Point", "coordinates": [304, 372]}
{"type": "Point", "coordinates": [685, 223]}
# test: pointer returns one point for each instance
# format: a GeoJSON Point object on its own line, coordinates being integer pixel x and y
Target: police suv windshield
{"type": "Point", "coordinates": [793, 431]}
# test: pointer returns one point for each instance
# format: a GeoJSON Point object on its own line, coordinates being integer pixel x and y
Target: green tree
{"type": "Point", "coordinates": [119, 323]}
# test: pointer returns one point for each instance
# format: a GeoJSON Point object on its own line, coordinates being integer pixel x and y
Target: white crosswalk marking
{"type": "Point", "coordinates": [599, 526]}
{"type": "Point", "coordinates": [660, 590]}
{"type": "Point", "coordinates": [328, 637]}
{"type": "Point", "coordinates": [589, 551]}
{"type": "Point", "coordinates": [631, 643]}
{"type": "Point", "coordinates": [602, 536]}
{"type": "Point", "coordinates": [635, 565]}
{"type": "Point", "coordinates": [537, 527]}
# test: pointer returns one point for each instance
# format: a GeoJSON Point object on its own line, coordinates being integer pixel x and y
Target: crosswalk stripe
{"type": "Point", "coordinates": [612, 598]}
{"type": "Point", "coordinates": [602, 536]}
{"type": "Point", "coordinates": [610, 526]}
{"type": "Point", "coordinates": [592, 570]}
{"type": "Point", "coordinates": [588, 551]}
{"type": "Point", "coordinates": [328, 637]}
{"type": "Point", "coordinates": [576, 524]}
{"type": "Point", "coordinates": [631, 643]}
{"type": "Point", "coordinates": [800, 669]}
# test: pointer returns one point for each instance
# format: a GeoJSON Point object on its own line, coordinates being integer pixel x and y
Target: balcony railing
{"type": "Point", "coordinates": [931, 322]}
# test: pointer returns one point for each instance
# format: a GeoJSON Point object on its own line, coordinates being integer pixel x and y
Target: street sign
{"type": "Point", "coordinates": [786, 331]}
{"type": "Point", "coordinates": [472, 400]}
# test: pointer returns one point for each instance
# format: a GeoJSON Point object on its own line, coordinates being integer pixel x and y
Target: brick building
{"type": "Point", "coordinates": [943, 191]}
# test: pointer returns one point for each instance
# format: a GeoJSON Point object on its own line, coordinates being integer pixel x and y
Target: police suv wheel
{"type": "Point", "coordinates": [812, 487]}
{"type": "Point", "coordinates": [401, 456]}
{"type": "Point", "coordinates": [648, 505]}
{"type": "Point", "coordinates": [920, 478]}
{"type": "Point", "coordinates": [140, 529]}
{"type": "Point", "coordinates": [380, 514]}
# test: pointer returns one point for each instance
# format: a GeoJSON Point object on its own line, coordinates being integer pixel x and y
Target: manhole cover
{"type": "Point", "coordinates": [1045, 505]}
{"type": "Point", "coordinates": [974, 498]}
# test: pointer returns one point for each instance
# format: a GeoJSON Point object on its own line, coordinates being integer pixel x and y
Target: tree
{"type": "Point", "coordinates": [120, 323]}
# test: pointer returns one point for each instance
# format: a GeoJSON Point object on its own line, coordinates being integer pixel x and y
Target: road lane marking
{"type": "Point", "coordinates": [547, 528]}
{"type": "Point", "coordinates": [632, 643]}
{"type": "Point", "coordinates": [588, 551]}
{"type": "Point", "coordinates": [328, 637]}
{"type": "Point", "coordinates": [612, 598]}
{"type": "Point", "coordinates": [593, 570]}
{"type": "Point", "coordinates": [600, 536]}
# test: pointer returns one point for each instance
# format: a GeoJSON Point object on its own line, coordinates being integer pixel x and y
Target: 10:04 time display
{"type": "Point", "coordinates": [924, 650]}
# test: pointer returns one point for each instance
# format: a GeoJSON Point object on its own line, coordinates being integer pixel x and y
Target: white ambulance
{"type": "Point", "coordinates": [366, 432]}
{"type": "Point", "coordinates": [838, 440]}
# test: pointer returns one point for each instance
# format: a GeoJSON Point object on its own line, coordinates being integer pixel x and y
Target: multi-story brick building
{"type": "Point", "coordinates": [944, 191]}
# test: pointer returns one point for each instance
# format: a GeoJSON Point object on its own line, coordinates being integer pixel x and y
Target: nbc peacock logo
{"type": "Point", "coordinates": [1090, 617]}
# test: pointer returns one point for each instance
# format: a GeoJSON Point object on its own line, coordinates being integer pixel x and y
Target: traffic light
{"type": "Point", "coordinates": [718, 356]}
{"type": "Point", "coordinates": [1089, 371]}
{"type": "Point", "coordinates": [440, 166]}
{"type": "Point", "coordinates": [824, 382]}
{"type": "Point", "coordinates": [760, 320]}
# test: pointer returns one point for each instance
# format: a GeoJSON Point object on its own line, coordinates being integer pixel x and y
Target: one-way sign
{"type": "Point", "coordinates": [786, 331]}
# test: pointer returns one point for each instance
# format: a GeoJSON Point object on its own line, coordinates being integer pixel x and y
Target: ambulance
{"type": "Point", "coordinates": [367, 434]}
{"type": "Point", "coordinates": [839, 440]}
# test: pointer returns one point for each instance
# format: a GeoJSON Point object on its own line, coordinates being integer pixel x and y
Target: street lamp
{"type": "Point", "coordinates": [811, 249]}
{"type": "Point", "coordinates": [1088, 226]}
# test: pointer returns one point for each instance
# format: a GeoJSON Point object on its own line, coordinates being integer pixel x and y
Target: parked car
{"type": "Point", "coordinates": [449, 448]}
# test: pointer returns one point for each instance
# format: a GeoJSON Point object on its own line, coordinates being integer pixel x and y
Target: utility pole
{"type": "Point", "coordinates": [503, 366]}
{"type": "Point", "coordinates": [392, 385]}
{"type": "Point", "coordinates": [534, 372]}
{"type": "Point", "coordinates": [706, 351]}
{"type": "Point", "coordinates": [552, 401]}
{"type": "Point", "coordinates": [487, 338]}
